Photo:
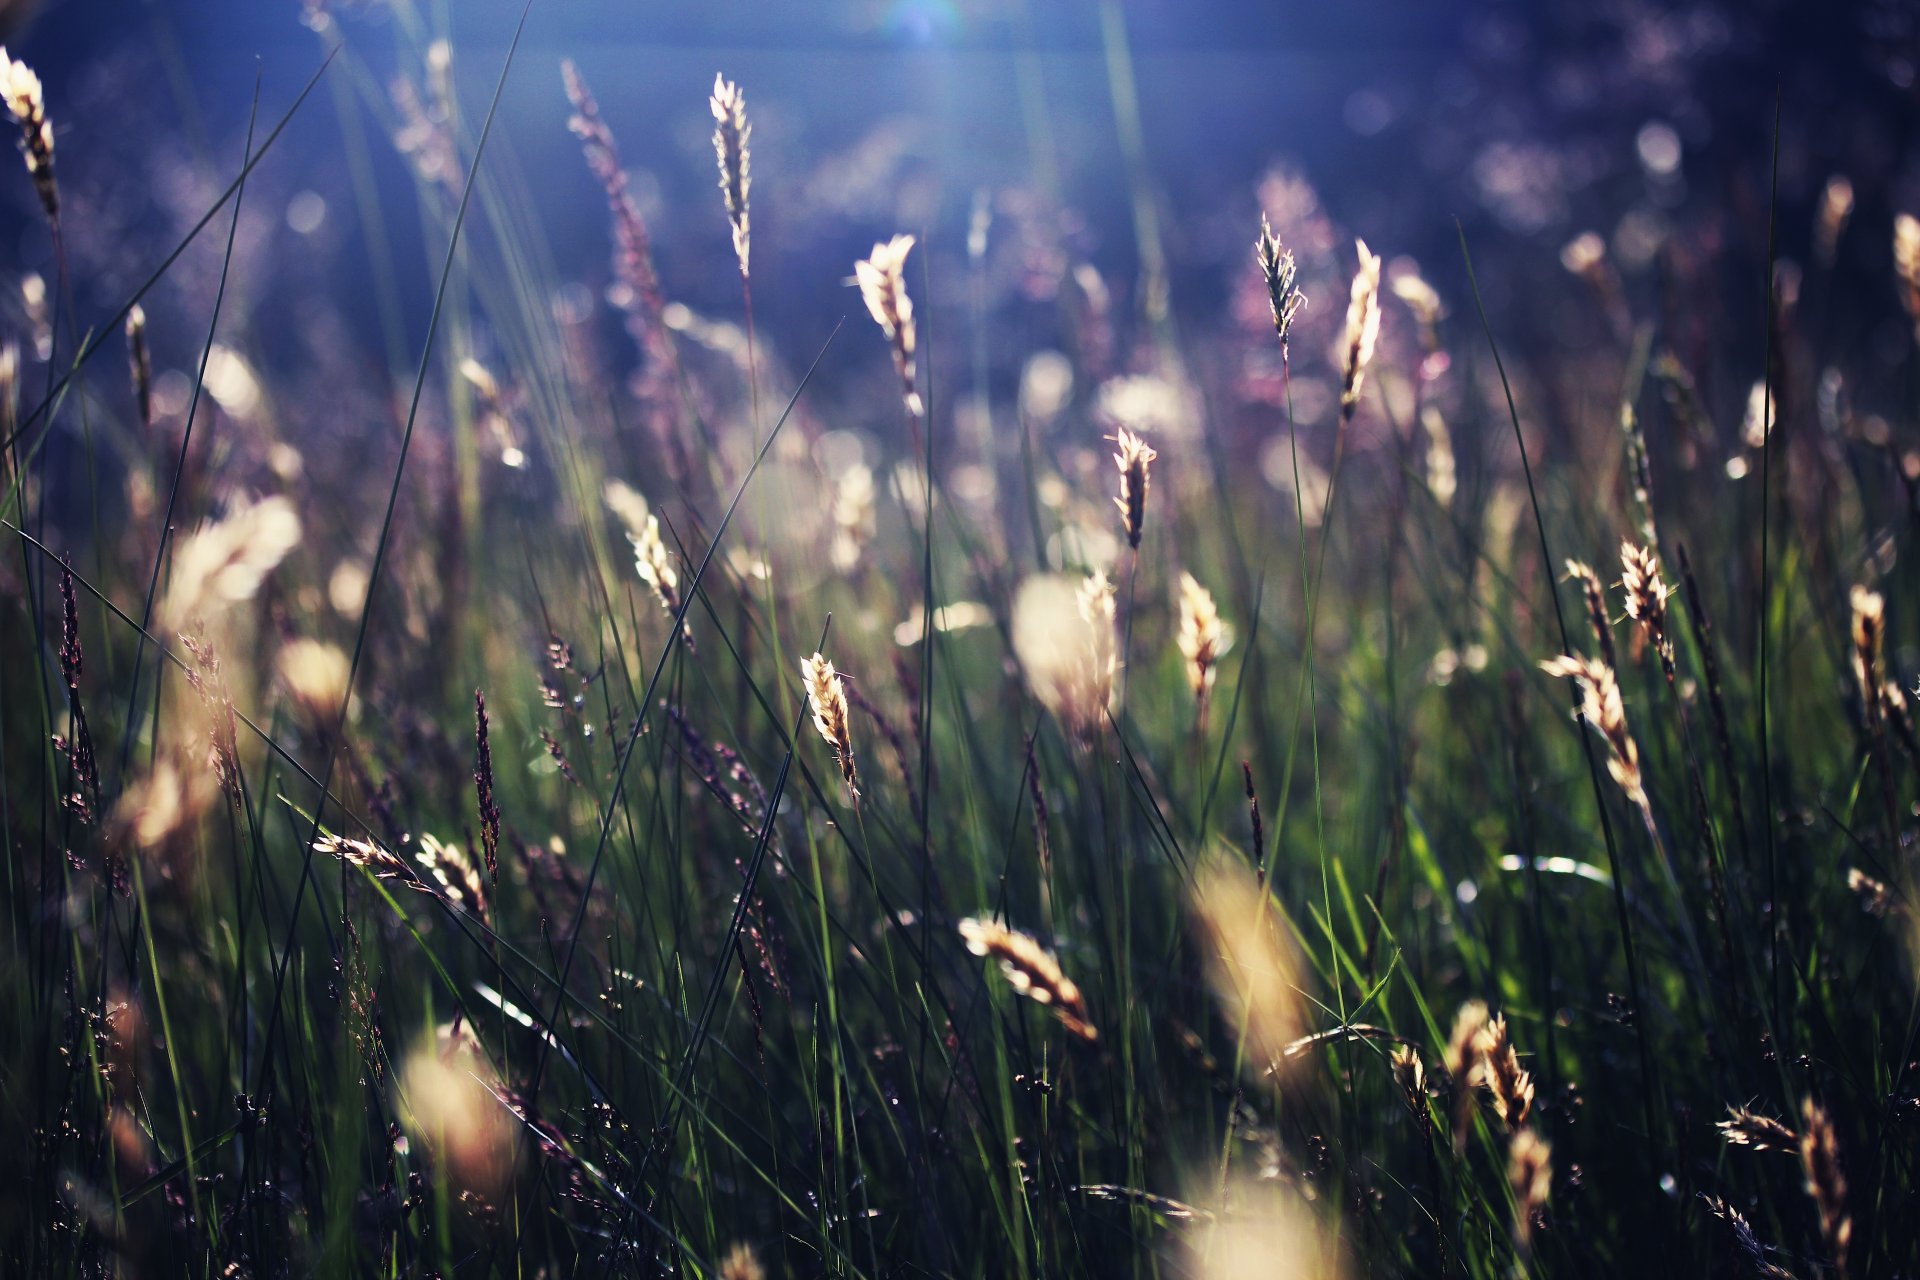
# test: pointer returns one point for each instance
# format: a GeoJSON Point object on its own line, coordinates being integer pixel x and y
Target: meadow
{"type": "Point", "coordinates": [1053, 769]}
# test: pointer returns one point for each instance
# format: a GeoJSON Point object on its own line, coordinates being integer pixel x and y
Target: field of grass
{"type": "Point", "coordinates": [1306, 789]}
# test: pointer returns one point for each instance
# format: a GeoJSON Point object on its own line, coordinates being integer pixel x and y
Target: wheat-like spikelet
{"type": "Point", "coordinates": [731, 134]}
{"type": "Point", "coordinates": [1530, 1175]}
{"type": "Point", "coordinates": [448, 1101]}
{"type": "Point", "coordinates": [1745, 1242]}
{"type": "Point", "coordinates": [1064, 637]}
{"type": "Point", "coordinates": [1750, 1129]}
{"type": "Point", "coordinates": [1826, 1181]}
{"type": "Point", "coordinates": [741, 1262]}
{"type": "Point", "coordinates": [216, 705]}
{"type": "Point", "coordinates": [1594, 596]}
{"type": "Point", "coordinates": [1836, 210]}
{"type": "Point", "coordinates": [140, 363]}
{"type": "Point", "coordinates": [1647, 594]}
{"type": "Point", "coordinates": [315, 674]}
{"type": "Point", "coordinates": [488, 806]}
{"type": "Point", "coordinates": [1424, 302]}
{"type": "Point", "coordinates": [226, 561]}
{"type": "Point", "coordinates": [1876, 896]}
{"type": "Point", "coordinates": [1032, 971]}
{"type": "Point", "coordinates": [1282, 276]}
{"type": "Point", "coordinates": [1868, 629]}
{"type": "Point", "coordinates": [1509, 1084]}
{"type": "Point", "coordinates": [1134, 460]}
{"type": "Point", "coordinates": [655, 567]}
{"type": "Point", "coordinates": [1463, 1064]}
{"type": "Point", "coordinates": [1906, 265]}
{"type": "Point", "coordinates": [377, 858]}
{"type": "Point", "coordinates": [493, 411]}
{"type": "Point", "coordinates": [1363, 328]}
{"type": "Point", "coordinates": [628, 505]}
{"type": "Point", "coordinates": [1251, 960]}
{"type": "Point", "coordinates": [883, 287]}
{"type": "Point", "coordinates": [827, 695]}
{"type": "Point", "coordinates": [633, 253]}
{"type": "Point", "coordinates": [854, 516]}
{"type": "Point", "coordinates": [21, 89]}
{"type": "Point", "coordinates": [1410, 1074]}
{"type": "Point", "coordinates": [1203, 638]}
{"type": "Point", "coordinates": [1602, 708]}
{"type": "Point", "coordinates": [451, 868]}
{"type": "Point", "coordinates": [1443, 475]}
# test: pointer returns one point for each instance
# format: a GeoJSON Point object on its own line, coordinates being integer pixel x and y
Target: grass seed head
{"type": "Point", "coordinates": [20, 87]}
{"type": "Point", "coordinates": [1202, 639]}
{"type": "Point", "coordinates": [1906, 264]}
{"type": "Point", "coordinates": [1756, 1132]}
{"type": "Point", "coordinates": [1283, 280]}
{"type": "Point", "coordinates": [882, 278]}
{"type": "Point", "coordinates": [1363, 327]}
{"type": "Point", "coordinates": [1602, 708]}
{"type": "Point", "coordinates": [827, 695]}
{"type": "Point", "coordinates": [1252, 962]}
{"type": "Point", "coordinates": [731, 135]}
{"type": "Point", "coordinates": [1530, 1174]}
{"type": "Point", "coordinates": [1134, 460]}
{"type": "Point", "coordinates": [1509, 1084]}
{"type": "Point", "coordinates": [1032, 971]}
{"type": "Point", "coordinates": [1826, 1181]}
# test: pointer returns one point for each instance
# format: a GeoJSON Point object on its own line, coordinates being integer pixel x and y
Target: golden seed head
{"type": "Point", "coordinates": [226, 561]}
{"type": "Point", "coordinates": [1750, 1129]}
{"type": "Point", "coordinates": [827, 695]}
{"type": "Point", "coordinates": [1585, 254]}
{"type": "Point", "coordinates": [1251, 960]}
{"type": "Point", "coordinates": [1064, 637]}
{"type": "Point", "coordinates": [1602, 708]}
{"type": "Point", "coordinates": [731, 134]}
{"type": "Point", "coordinates": [1203, 638]}
{"type": "Point", "coordinates": [1282, 277]}
{"type": "Point", "coordinates": [1363, 326]}
{"type": "Point", "coordinates": [1133, 459]}
{"type": "Point", "coordinates": [1647, 594]}
{"type": "Point", "coordinates": [1032, 971]}
{"type": "Point", "coordinates": [1411, 1075]}
{"type": "Point", "coordinates": [1530, 1174]}
{"type": "Point", "coordinates": [1906, 262]}
{"type": "Point", "coordinates": [1876, 896]}
{"type": "Point", "coordinates": [1826, 1181]}
{"type": "Point", "coordinates": [883, 287]}
{"type": "Point", "coordinates": [1510, 1085]}
{"type": "Point", "coordinates": [741, 1263]}
{"type": "Point", "coordinates": [1869, 626]}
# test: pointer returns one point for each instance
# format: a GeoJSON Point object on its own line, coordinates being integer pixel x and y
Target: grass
{"type": "Point", "coordinates": [453, 862]}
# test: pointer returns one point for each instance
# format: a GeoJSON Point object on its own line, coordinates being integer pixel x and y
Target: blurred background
{"type": "Point", "coordinates": [1530, 123]}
